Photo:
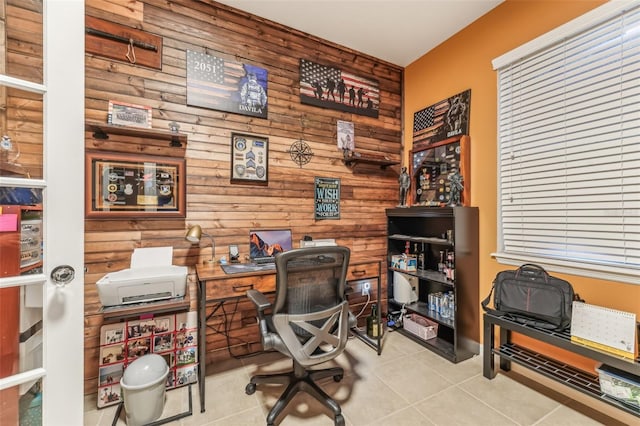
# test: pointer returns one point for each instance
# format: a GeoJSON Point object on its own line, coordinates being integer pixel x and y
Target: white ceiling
{"type": "Point", "coordinates": [396, 31]}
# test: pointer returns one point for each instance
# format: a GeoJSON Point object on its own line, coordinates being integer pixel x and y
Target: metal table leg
{"type": "Point", "coordinates": [202, 344]}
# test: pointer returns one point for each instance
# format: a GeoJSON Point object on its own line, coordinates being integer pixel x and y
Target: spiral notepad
{"type": "Point", "coordinates": [604, 328]}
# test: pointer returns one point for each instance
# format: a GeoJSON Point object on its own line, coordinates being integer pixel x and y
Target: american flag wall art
{"type": "Point", "coordinates": [333, 88]}
{"type": "Point", "coordinates": [444, 120]}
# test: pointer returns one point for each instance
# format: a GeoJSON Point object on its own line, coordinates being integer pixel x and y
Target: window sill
{"type": "Point", "coordinates": [603, 272]}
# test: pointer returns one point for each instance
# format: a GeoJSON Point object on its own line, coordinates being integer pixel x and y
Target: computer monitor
{"type": "Point", "coordinates": [264, 244]}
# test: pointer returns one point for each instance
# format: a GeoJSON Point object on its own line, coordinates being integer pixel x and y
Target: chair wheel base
{"type": "Point", "coordinates": [250, 389]}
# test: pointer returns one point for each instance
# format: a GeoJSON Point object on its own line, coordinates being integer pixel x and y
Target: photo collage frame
{"type": "Point", "coordinates": [174, 337]}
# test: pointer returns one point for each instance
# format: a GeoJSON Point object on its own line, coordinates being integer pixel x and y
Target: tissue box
{"type": "Point", "coordinates": [404, 262]}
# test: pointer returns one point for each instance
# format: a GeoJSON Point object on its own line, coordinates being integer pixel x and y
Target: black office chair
{"type": "Point", "coordinates": [309, 322]}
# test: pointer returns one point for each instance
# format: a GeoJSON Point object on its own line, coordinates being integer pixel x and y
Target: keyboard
{"type": "Point", "coordinates": [243, 268]}
{"type": "Point", "coordinates": [263, 260]}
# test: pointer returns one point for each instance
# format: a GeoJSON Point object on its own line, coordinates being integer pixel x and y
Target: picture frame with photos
{"type": "Point", "coordinates": [173, 337]}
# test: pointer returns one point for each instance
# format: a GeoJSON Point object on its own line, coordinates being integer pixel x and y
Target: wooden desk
{"type": "Point", "coordinates": [215, 286]}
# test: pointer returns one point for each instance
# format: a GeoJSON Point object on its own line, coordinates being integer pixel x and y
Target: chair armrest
{"type": "Point", "coordinates": [258, 299]}
{"type": "Point", "coordinates": [262, 303]}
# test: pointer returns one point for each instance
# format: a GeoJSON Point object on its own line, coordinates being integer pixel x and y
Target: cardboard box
{"type": "Point", "coordinates": [405, 262]}
{"type": "Point", "coordinates": [619, 385]}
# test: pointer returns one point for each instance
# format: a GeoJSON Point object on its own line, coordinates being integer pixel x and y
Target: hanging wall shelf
{"type": "Point", "coordinates": [103, 130]}
{"type": "Point", "coordinates": [353, 158]}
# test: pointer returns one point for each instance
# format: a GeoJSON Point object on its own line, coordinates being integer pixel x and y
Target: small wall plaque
{"type": "Point", "coordinates": [125, 114]}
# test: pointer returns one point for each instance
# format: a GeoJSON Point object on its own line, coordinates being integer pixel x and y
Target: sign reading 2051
{"type": "Point", "coordinates": [224, 85]}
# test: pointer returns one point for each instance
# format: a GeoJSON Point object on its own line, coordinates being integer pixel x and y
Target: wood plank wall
{"type": "Point", "coordinates": [228, 211]}
{"type": "Point", "coordinates": [21, 111]}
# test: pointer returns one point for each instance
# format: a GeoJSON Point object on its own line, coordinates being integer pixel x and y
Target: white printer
{"type": "Point", "coordinates": [151, 277]}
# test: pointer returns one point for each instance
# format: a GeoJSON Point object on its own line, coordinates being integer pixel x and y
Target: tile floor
{"type": "Point", "coordinates": [406, 385]}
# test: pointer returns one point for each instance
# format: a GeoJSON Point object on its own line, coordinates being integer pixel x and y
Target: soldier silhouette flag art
{"type": "Point", "coordinates": [333, 88]}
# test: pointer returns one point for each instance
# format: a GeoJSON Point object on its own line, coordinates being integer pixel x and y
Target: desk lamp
{"type": "Point", "coordinates": [194, 235]}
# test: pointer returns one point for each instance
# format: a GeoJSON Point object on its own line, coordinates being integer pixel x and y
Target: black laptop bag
{"type": "Point", "coordinates": [530, 295]}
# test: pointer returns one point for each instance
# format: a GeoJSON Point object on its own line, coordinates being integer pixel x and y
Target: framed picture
{"type": "Point", "coordinates": [445, 121]}
{"type": "Point", "coordinates": [217, 83]}
{"type": "Point", "coordinates": [327, 198]}
{"type": "Point", "coordinates": [334, 88]}
{"type": "Point", "coordinates": [126, 186]}
{"type": "Point", "coordinates": [125, 114]}
{"type": "Point", "coordinates": [249, 159]}
{"type": "Point", "coordinates": [433, 168]}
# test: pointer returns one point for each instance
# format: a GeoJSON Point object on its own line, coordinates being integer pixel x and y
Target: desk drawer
{"type": "Point", "coordinates": [234, 287]}
{"type": "Point", "coordinates": [363, 270]}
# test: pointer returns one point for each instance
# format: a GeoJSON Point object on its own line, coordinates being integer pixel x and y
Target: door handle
{"type": "Point", "coordinates": [62, 275]}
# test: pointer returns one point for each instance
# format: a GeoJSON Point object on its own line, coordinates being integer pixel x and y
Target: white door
{"type": "Point", "coordinates": [42, 220]}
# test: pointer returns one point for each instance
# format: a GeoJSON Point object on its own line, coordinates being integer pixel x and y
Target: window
{"type": "Point", "coordinates": [569, 147]}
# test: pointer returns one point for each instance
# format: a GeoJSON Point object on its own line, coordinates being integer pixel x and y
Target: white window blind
{"type": "Point", "coordinates": [569, 149]}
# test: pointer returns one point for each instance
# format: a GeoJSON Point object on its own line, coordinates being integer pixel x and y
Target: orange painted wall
{"type": "Point", "coordinates": [464, 62]}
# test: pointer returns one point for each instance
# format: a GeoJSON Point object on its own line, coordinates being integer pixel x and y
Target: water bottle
{"type": "Point", "coordinates": [445, 309]}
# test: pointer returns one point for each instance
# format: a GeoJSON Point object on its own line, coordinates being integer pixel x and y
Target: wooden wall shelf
{"type": "Point", "coordinates": [102, 131]}
{"type": "Point", "coordinates": [352, 159]}
{"type": "Point", "coordinates": [15, 170]}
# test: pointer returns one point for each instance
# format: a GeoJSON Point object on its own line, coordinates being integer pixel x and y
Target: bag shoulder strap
{"type": "Point", "coordinates": [485, 303]}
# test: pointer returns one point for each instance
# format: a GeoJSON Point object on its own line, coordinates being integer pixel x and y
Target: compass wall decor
{"type": "Point", "coordinates": [300, 152]}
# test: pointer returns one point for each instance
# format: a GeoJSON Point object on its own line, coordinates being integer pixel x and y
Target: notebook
{"type": "Point", "coordinates": [264, 244]}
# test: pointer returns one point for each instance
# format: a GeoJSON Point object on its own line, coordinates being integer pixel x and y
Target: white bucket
{"type": "Point", "coordinates": [143, 389]}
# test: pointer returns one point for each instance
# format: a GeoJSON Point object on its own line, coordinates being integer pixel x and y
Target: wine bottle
{"type": "Point", "coordinates": [445, 266]}
{"type": "Point", "coordinates": [373, 330]}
